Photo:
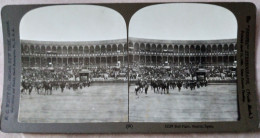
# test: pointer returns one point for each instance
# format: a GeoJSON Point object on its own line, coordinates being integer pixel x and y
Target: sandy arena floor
{"type": "Point", "coordinates": [109, 103]}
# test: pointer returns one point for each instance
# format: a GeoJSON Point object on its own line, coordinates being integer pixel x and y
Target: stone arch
{"type": "Point", "coordinates": [130, 45]}
{"type": "Point", "coordinates": [59, 61]}
{"type": "Point", "coordinates": [120, 48]}
{"type": "Point", "coordinates": [37, 49]}
{"type": "Point", "coordinates": [75, 50]}
{"type": "Point", "coordinates": [86, 61]}
{"type": "Point", "coordinates": [81, 51]}
{"type": "Point", "coordinates": [225, 60]}
{"type": "Point", "coordinates": [231, 48]}
{"type": "Point", "coordinates": [181, 49]}
{"type": "Point", "coordinates": [103, 49]}
{"type": "Point", "coordinates": [231, 60]}
{"type": "Point", "coordinates": [148, 47]}
{"type": "Point", "coordinates": [203, 49]}
{"type": "Point", "coordinates": [97, 49]}
{"type": "Point", "coordinates": [64, 50]}
{"type": "Point", "coordinates": [32, 61]}
{"type": "Point", "coordinates": [54, 61]}
{"type": "Point", "coordinates": [198, 49]}
{"type": "Point", "coordinates": [114, 60]}
{"type": "Point", "coordinates": [208, 48]}
{"type": "Point", "coordinates": [76, 60]}
{"type": "Point", "coordinates": [59, 50]}
{"type": "Point", "coordinates": [142, 47]}
{"type": "Point", "coordinates": [114, 48]}
{"type": "Point", "coordinates": [70, 51]}
{"type": "Point", "coordinates": [38, 60]}
{"type": "Point", "coordinates": [125, 47]}
{"type": "Point", "coordinates": [49, 61]}
{"type": "Point", "coordinates": [92, 49]}
{"type": "Point", "coordinates": [48, 49]}
{"type": "Point", "coordinates": [32, 49]}
{"type": "Point", "coordinates": [142, 59]}
{"type": "Point", "coordinates": [54, 49]}
{"type": "Point", "coordinates": [192, 49]}
{"type": "Point", "coordinates": [165, 48]}
{"type": "Point", "coordinates": [70, 61]}
{"type": "Point", "coordinates": [225, 48]}
{"type": "Point", "coordinates": [187, 49]}
{"type": "Point", "coordinates": [109, 48]}
{"type": "Point", "coordinates": [159, 60]}
{"type": "Point", "coordinates": [176, 50]}
{"type": "Point", "coordinates": [214, 48]}
{"type": "Point", "coordinates": [86, 50]}
{"type": "Point", "coordinates": [43, 50]}
{"type": "Point", "coordinates": [219, 48]}
{"type": "Point", "coordinates": [170, 48]}
{"type": "Point", "coordinates": [159, 48]}
{"type": "Point", "coordinates": [136, 47]}
{"type": "Point", "coordinates": [81, 60]}
{"type": "Point", "coordinates": [25, 48]}
{"type": "Point", "coordinates": [153, 49]}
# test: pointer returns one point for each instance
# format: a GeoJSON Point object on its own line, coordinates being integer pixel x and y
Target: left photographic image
{"type": "Point", "coordinates": [73, 65]}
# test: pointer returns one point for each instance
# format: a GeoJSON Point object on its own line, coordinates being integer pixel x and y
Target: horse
{"type": "Point", "coordinates": [26, 87]}
{"type": "Point", "coordinates": [164, 85]}
{"type": "Point", "coordinates": [198, 85]}
{"type": "Point", "coordinates": [80, 85]}
{"type": "Point", "coordinates": [179, 85]}
{"type": "Point", "coordinates": [55, 85]}
{"type": "Point", "coordinates": [192, 85]}
{"type": "Point", "coordinates": [38, 86]}
{"type": "Point", "coordinates": [172, 84]}
{"type": "Point", "coordinates": [146, 88]}
{"type": "Point", "coordinates": [139, 86]}
{"type": "Point", "coordinates": [155, 85]}
{"type": "Point", "coordinates": [62, 86]}
{"type": "Point", "coordinates": [48, 87]}
{"type": "Point", "coordinates": [75, 86]}
{"type": "Point", "coordinates": [105, 76]}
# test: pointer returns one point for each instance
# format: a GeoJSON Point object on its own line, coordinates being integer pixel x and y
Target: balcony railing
{"type": "Point", "coordinates": [131, 53]}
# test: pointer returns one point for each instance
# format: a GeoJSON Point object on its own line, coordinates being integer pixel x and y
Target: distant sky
{"type": "Point", "coordinates": [184, 22]}
{"type": "Point", "coordinates": [72, 23]}
{"type": "Point", "coordinates": [164, 21]}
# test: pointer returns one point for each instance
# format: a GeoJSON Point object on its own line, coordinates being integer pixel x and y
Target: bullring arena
{"type": "Point", "coordinates": [165, 81]}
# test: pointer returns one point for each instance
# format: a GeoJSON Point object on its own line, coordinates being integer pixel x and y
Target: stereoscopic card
{"type": "Point", "coordinates": [129, 68]}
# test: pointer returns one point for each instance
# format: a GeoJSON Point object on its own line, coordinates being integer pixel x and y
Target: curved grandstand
{"type": "Point", "coordinates": [144, 51]}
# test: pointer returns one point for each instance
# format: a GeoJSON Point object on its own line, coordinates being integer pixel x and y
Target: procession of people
{"type": "Point", "coordinates": [160, 79]}
{"type": "Point", "coordinates": [189, 76]}
{"type": "Point", "coordinates": [44, 80]}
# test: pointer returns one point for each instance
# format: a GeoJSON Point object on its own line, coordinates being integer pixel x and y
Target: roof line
{"type": "Point", "coordinates": [131, 39]}
{"type": "Point", "coordinates": [184, 42]}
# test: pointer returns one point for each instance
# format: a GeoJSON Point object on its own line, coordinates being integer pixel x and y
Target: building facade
{"type": "Point", "coordinates": [150, 52]}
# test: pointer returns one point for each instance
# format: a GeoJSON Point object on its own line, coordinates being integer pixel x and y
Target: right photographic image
{"type": "Point", "coordinates": [182, 64]}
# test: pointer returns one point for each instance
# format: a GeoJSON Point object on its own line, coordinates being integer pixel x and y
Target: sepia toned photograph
{"type": "Point", "coordinates": [182, 64]}
{"type": "Point", "coordinates": [129, 68]}
{"type": "Point", "coordinates": [179, 65]}
{"type": "Point", "coordinates": [74, 65]}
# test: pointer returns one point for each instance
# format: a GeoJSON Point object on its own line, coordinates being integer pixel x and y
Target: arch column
{"type": "Point", "coordinates": [123, 56]}
{"type": "Point", "coordinates": [200, 54]}
{"type": "Point", "coordinates": [189, 54]}
{"type": "Point", "coordinates": [228, 56]}
{"type": "Point", "coordinates": [211, 60]}
{"type": "Point", "coordinates": [67, 55]}
{"type": "Point", "coordinates": [40, 57]}
{"type": "Point", "coordinates": [117, 54]}
{"type": "Point", "coordinates": [106, 55]}
{"type": "Point", "coordinates": [178, 55]}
